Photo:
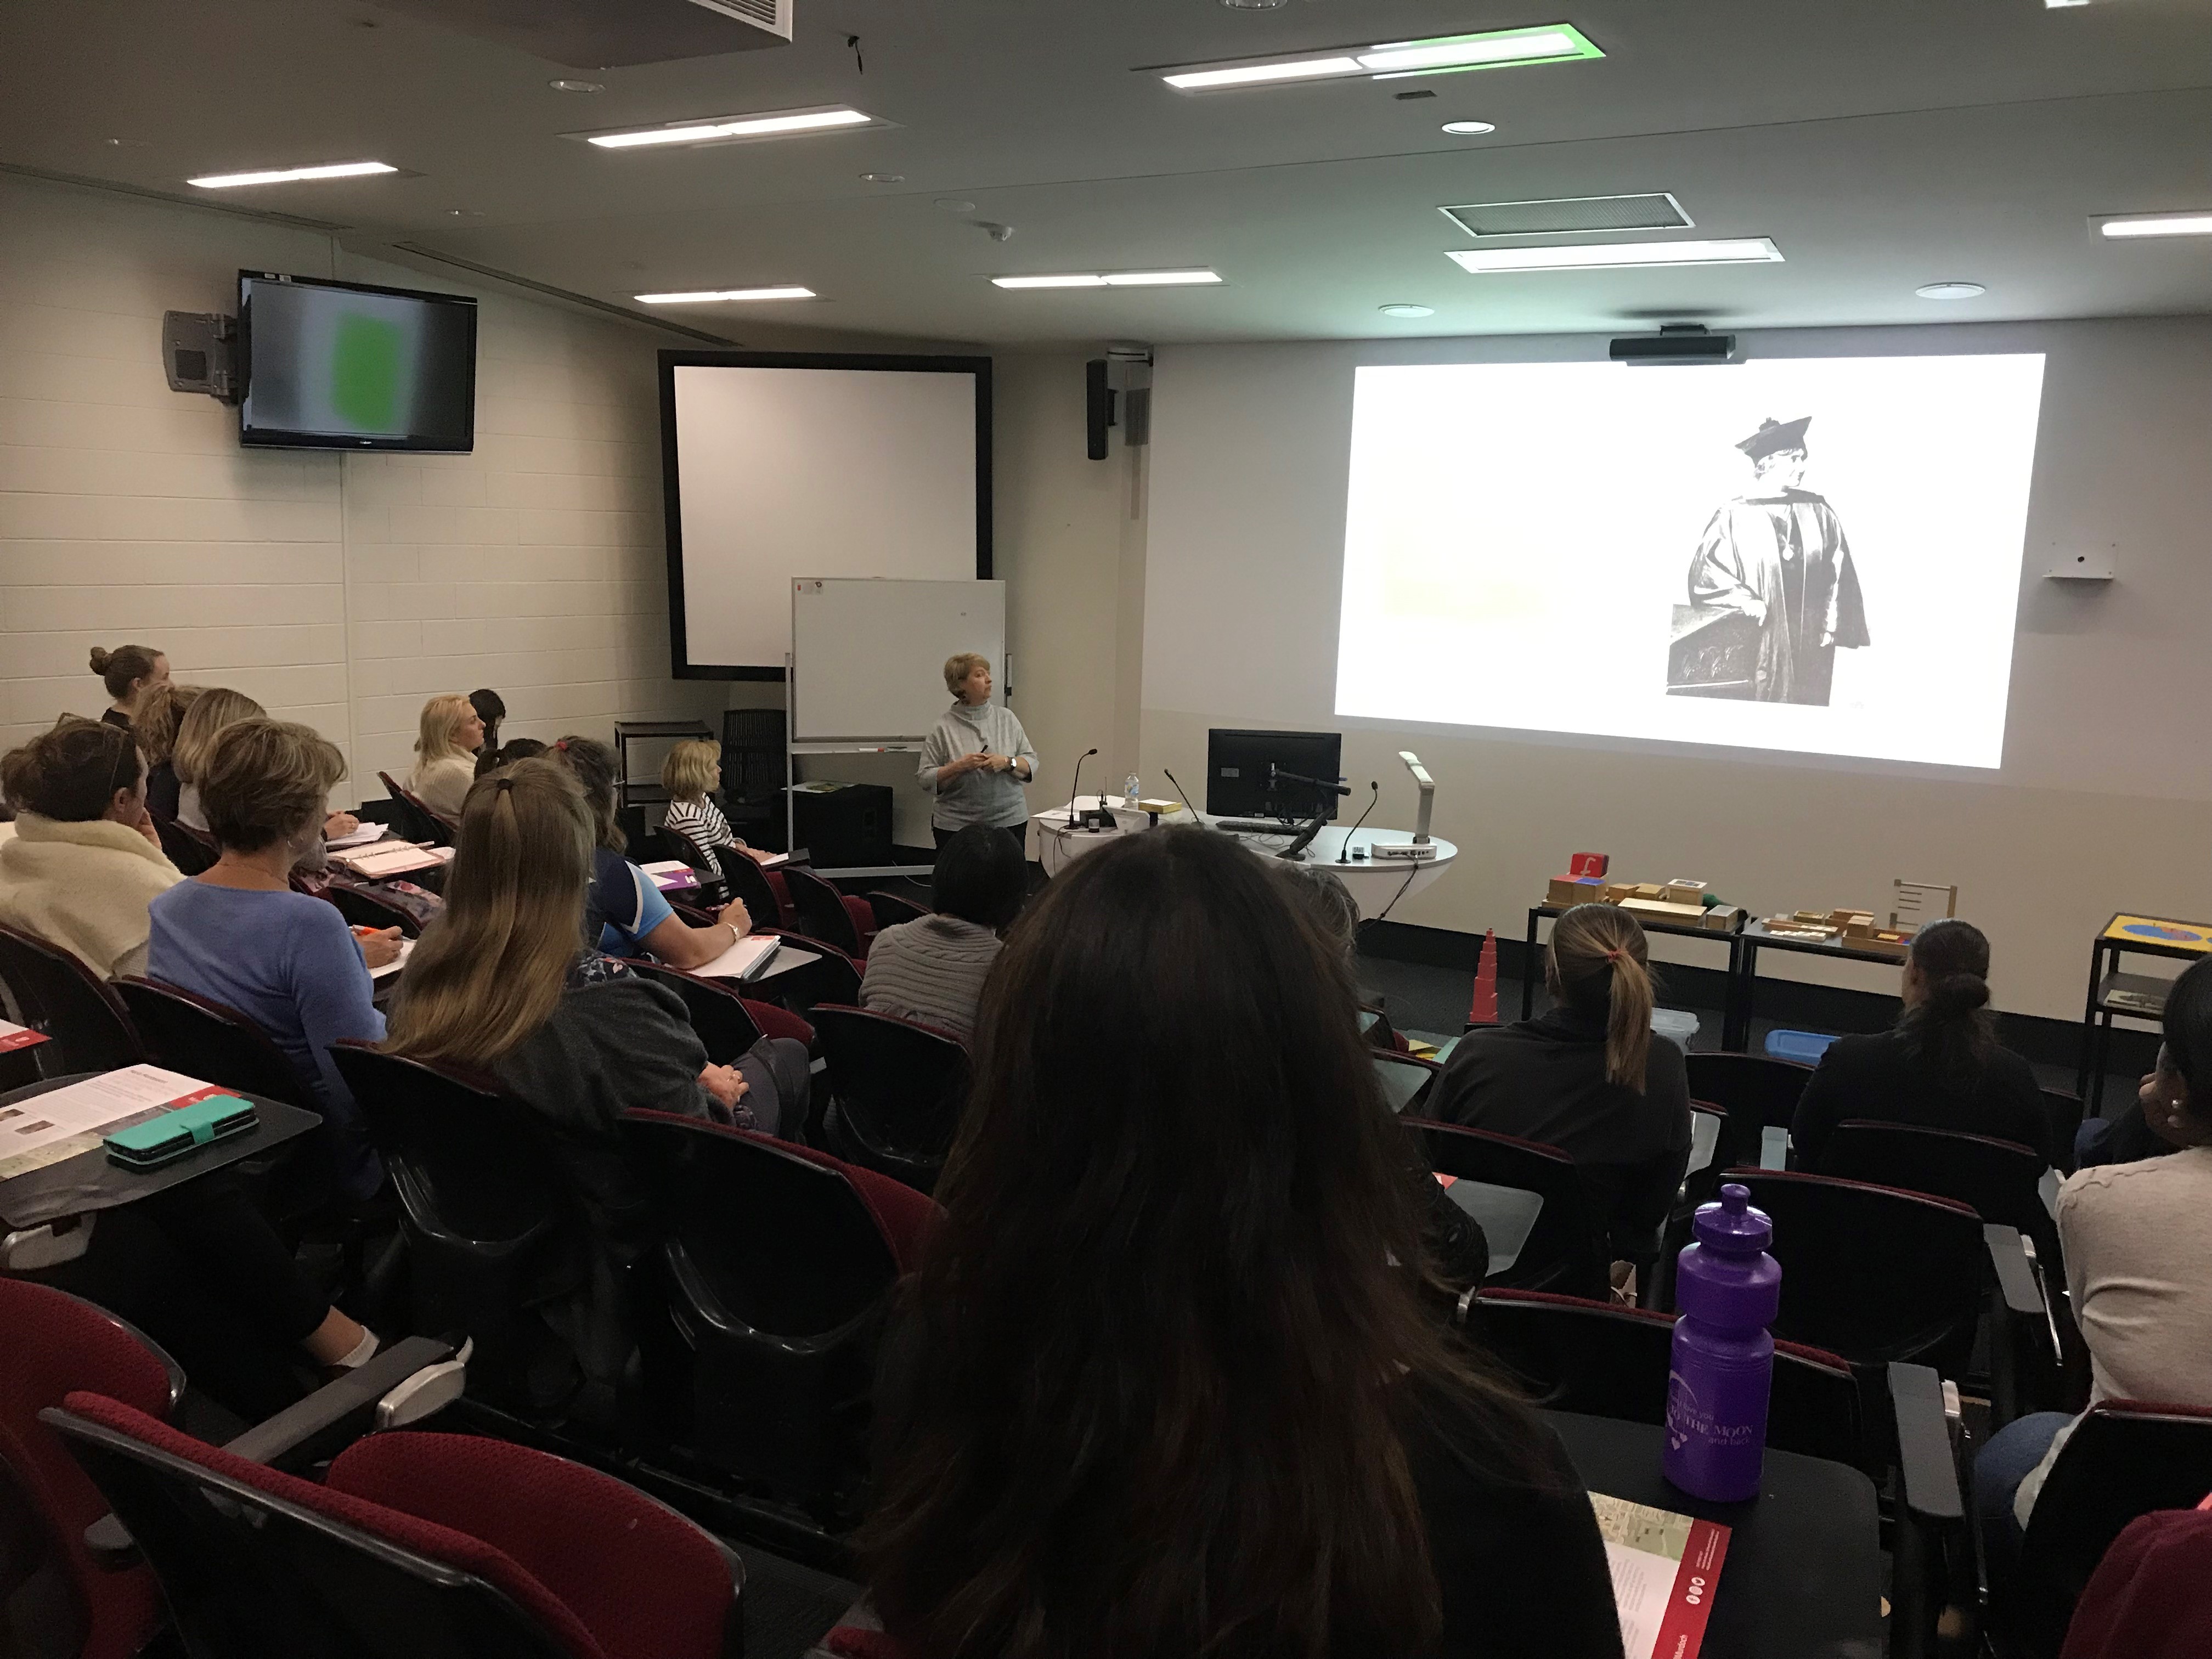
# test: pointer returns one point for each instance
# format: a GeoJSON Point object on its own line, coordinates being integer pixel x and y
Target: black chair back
{"type": "Point", "coordinates": [835, 980]}
{"type": "Point", "coordinates": [776, 1276]}
{"type": "Point", "coordinates": [83, 1020]}
{"type": "Point", "coordinates": [1758, 1093]}
{"type": "Point", "coordinates": [1608, 1361]}
{"type": "Point", "coordinates": [492, 1223]}
{"type": "Point", "coordinates": [822, 910]}
{"type": "Point", "coordinates": [1871, 1273]}
{"type": "Point", "coordinates": [250, 1575]}
{"type": "Point", "coordinates": [203, 1039]}
{"type": "Point", "coordinates": [713, 886]}
{"type": "Point", "coordinates": [1998, 1179]}
{"type": "Point", "coordinates": [748, 882]}
{"type": "Point", "coordinates": [2124, 1459]}
{"type": "Point", "coordinates": [1565, 1249]}
{"type": "Point", "coordinates": [897, 1092]}
{"type": "Point", "coordinates": [718, 1013]}
{"type": "Point", "coordinates": [362, 907]}
{"type": "Point", "coordinates": [191, 850]}
{"type": "Point", "coordinates": [2063, 1107]}
{"type": "Point", "coordinates": [1407, 1079]}
{"type": "Point", "coordinates": [415, 820]}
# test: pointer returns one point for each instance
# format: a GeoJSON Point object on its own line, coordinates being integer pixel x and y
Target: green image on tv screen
{"type": "Point", "coordinates": [351, 368]}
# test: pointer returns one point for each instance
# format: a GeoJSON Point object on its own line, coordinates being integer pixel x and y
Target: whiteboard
{"type": "Point", "coordinates": [839, 465]}
{"type": "Point", "coordinates": [868, 656]}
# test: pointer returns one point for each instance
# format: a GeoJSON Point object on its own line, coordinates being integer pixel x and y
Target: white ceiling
{"type": "Point", "coordinates": [1881, 143]}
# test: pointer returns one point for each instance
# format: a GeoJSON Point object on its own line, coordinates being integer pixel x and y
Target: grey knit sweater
{"type": "Point", "coordinates": [992, 799]}
{"type": "Point", "coordinates": [932, 970]}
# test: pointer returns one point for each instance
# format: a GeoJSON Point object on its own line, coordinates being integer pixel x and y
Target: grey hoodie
{"type": "Point", "coordinates": [992, 799]}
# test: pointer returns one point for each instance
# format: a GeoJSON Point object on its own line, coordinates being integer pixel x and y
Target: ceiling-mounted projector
{"type": "Point", "coordinates": [1676, 344]}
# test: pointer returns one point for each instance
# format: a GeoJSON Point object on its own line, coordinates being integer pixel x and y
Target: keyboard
{"type": "Point", "coordinates": [1256, 827]}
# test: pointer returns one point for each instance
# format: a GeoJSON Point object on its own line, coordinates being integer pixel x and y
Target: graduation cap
{"type": "Point", "coordinates": [1774, 437]}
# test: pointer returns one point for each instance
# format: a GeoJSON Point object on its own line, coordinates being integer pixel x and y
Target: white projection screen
{"type": "Point", "coordinates": [1819, 556]}
{"type": "Point", "coordinates": [781, 464]}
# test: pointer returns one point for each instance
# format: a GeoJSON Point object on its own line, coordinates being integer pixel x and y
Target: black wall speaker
{"type": "Point", "coordinates": [1098, 407]}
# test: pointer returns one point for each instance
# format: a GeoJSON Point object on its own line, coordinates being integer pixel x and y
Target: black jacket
{"type": "Point", "coordinates": [1878, 1077]}
{"type": "Point", "coordinates": [1544, 1079]}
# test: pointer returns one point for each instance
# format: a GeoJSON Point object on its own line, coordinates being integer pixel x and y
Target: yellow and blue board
{"type": "Point", "coordinates": [2158, 930]}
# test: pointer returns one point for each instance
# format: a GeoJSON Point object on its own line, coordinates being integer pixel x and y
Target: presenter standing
{"type": "Point", "coordinates": [978, 760]}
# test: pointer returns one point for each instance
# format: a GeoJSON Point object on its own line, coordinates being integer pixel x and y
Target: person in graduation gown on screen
{"type": "Point", "coordinates": [1777, 554]}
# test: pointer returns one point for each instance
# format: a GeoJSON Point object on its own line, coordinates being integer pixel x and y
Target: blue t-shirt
{"type": "Point", "coordinates": [288, 961]}
{"type": "Point", "coordinates": [623, 903]}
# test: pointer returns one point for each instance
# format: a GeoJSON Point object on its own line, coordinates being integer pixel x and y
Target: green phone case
{"type": "Point", "coordinates": [169, 1135]}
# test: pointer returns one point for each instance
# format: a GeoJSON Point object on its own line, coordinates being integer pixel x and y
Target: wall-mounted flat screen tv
{"type": "Point", "coordinates": [344, 366]}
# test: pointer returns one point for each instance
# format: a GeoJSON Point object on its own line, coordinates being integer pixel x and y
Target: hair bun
{"type": "Point", "coordinates": [1961, 994]}
{"type": "Point", "coordinates": [100, 659]}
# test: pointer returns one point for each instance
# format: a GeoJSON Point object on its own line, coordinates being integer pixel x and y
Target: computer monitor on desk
{"type": "Point", "coordinates": [1238, 765]}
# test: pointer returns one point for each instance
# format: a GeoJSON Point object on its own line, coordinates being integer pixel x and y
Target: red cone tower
{"type": "Point", "coordinates": [1484, 1009]}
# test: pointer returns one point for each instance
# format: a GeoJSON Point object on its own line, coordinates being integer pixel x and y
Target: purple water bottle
{"type": "Point", "coordinates": [1726, 1288]}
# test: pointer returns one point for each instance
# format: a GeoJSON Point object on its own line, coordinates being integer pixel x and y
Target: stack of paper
{"type": "Point", "coordinates": [406, 949]}
{"type": "Point", "coordinates": [391, 857]}
{"type": "Point", "coordinates": [361, 837]}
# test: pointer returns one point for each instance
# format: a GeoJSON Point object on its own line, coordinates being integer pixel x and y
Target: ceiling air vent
{"type": "Point", "coordinates": [1656, 211]}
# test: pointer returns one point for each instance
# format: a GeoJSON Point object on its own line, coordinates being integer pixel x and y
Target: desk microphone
{"type": "Point", "coordinates": [1186, 806]}
{"type": "Point", "coordinates": [1077, 785]}
{"type": "Point", "coordinates": [1374, 793]}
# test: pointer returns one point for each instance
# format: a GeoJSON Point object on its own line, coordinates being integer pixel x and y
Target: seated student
{"type": "Point", "coordinates": [1164, 1383]}
{"type": "Point", "coordinates": [1589, 1078]}
{"type": "Point", "coordinates": [691, 775]}
{"type": "Point", "coordinates": [500, 983]}
{"type": "Point", "coordinates": [491, 709]}
{"type": "Point", "coordinates": [625, 913]}
{"type": "Point", "coordinates": [161, 711]}
{"type": "Point", "coordinates": [446, 740]}
{"type": "Point", "coordinates": [490, 759]}
{"type": "Point", "coordinates": [213, 708]}
{"type": "Point", "coordinates": [1456, 1242]}
{"type": "Point", "coordinates": [1940, 1066]}
{"type": "Point", "coordinates": [84, 861]}
{"type": "Point", "coordinates": [2130, 1234]}
{"type": "Point", "coordinates": [129, 671]}
{"type": "Point", "coordinates": [238, 934]}
{"type": "Point", "coordinates": [933, 969]}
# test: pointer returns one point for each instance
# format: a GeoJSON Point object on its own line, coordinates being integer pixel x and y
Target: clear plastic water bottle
{"type": "Point", "coordinates": [1130, 792]}
{"type": "Point", "coordinates": [1726, 1288]}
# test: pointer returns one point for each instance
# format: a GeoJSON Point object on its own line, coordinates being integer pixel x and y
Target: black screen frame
{"type": "Point", "coordinates": [680, 666]}
{"type": "Point", "coordinates": [279, 438]}
{"type": "Point", "coordinates": [1317, 754]}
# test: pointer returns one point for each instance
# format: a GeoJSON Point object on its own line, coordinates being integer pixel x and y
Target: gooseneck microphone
{"type": "Point", "coordinates": [1374, 793]}
{"type": "Point", "coordinates": [1186, 806]}
{"type": "Point", "coordinates": [1078, 784]}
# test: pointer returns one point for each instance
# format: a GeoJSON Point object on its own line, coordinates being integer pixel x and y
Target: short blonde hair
{"type": "Point", "coordinates": [440, 732]}
{"type": "Point", "coordinates": [213, 711]}
{"type": "Point", "coordinates": [265, 780]}
{"type": "Point", "coordinates": [689, 771]}
{"type": "Point", "coordinates": [959, 666]}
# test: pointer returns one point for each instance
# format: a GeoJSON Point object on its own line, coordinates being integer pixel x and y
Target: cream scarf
{"type": "Point", "coordinates": [84, 887]}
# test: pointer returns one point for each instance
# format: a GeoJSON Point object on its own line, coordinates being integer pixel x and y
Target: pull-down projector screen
{"type": "Point", "coordinates": [780, 464]}
{"type": "Point", "coordinates": [1817, 555]}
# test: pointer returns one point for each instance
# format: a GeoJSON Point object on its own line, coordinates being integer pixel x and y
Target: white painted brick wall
{"type": "Point", "coordinates": [341, 590]}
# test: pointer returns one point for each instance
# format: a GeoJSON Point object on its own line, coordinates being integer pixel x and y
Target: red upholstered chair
{"type": "Point", "coordinates": [845, 920]}
{"type": "Point", "coordinates": [85, 1024]}
{"type": "Point", "coordinates": [2146, 1600]}
{"type": "Point", "coordinates": [718, 1015]}
{"type": "Point", "coordinates": [54, 1344]}
{"type": "Point", "coordinates": [417, 821]}
{"type": "Point", "coordinates": [416, 1545]}
{"type": "Point", "coordinates": [191, 850]}
{"type": "Point", "coordinates": [1565, 1250]}
{"type": "Point", "coordinates": [775, 1268]}
{"type": "Point", "coordinates": [1758, 1093]}
{"type": "Point", "coordinates": [896, 1088]}
{"type": "Point", "coordinates": [203, 1039]}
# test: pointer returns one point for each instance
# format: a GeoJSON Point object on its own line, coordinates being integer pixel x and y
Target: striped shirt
{"type": "Point", "coordinates": [701, 822]}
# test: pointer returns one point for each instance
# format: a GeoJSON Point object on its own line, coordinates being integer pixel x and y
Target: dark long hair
{"type": "Point", "coordinates": [2188, 1037]}
{"type": "Point", "coordinates": [1154, 1367]}
{"type": "Point", "coordinates": [1953, 1027]}
{"type": "Point", "coordinates": [596, 769]}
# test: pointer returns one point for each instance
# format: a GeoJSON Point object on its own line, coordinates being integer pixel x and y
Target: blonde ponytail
{"type": "Point", "coordinates": [1599, 959]}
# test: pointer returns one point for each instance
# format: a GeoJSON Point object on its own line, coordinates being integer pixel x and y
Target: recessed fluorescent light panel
{"type": "Point", "coordinates": [292, 175]}
{"type": "Point", "coordinates": [1112, 279]}
{"type": "Point", "coordinates": [2155, 224]}
{"type": "Point", "coordinates": [730, 129]}
{"type": "Point", "coordinates": [1743, 251]}
{"type": "Point", "coordinates": [1559, 215]}
{"type": "Point", "coordinates": [1445, 54]}
{"type": "Point", "coordinates": [717, 296]}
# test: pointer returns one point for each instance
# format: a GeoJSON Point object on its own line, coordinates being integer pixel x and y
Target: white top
{"type": "Point", "coordinates": [2136, 1239]}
